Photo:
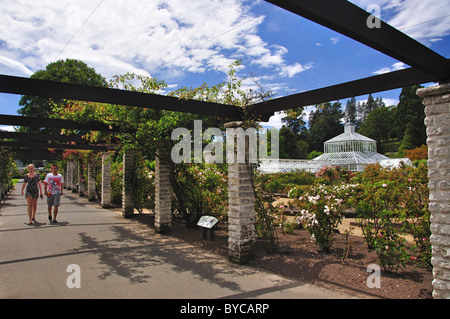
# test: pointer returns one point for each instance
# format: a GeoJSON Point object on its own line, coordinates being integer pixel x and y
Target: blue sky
{"type": "Point", "coordinates": [186, 43]}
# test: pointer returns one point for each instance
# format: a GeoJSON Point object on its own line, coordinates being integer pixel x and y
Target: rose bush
{"type": "Point", "coordinates": [204, 191]}
{"type": "Point", "coordinates": [390, 205]}
{"type": "Point", "coordinates": [321, 213]}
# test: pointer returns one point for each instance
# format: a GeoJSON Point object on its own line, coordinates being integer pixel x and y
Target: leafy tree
{"type": "Point", "coordinates": [379, 102]}
{"type": "Point", "coordinates": [290, 146]}
{"type": "Point", "coordinates": [293, 136]}
{"type": "Point", "coordinates": [362, 110]}
{"type": "Point", "coordinates": [68, 71]}
{"type": "Point", "coordinates": [378, 124]}
{"type": "Point", "coordinates": [350, 110]}
{"type": "Point", "coordinates": [370, 105]}
{"type": "Point", "coordinates": [294, 121]}
{"type": "Point", "coordinates": [407, 142]}
{"type": "Point", "coordinates": [411, 114]}
{"type": "Point", "coordinates": [314, 154]}
{"type": "Point", "coordinates": [324, 124]}
{"type": "Point", "coordinates": [417, 154]}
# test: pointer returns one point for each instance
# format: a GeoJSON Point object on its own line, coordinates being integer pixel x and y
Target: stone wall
{"type": "Point", "coordinates": [437, 111]}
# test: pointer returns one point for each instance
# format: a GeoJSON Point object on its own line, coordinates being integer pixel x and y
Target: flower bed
{"type": "Point", "coordinates": [389, 204]}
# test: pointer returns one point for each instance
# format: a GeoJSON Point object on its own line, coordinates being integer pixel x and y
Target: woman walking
{"type": "Point", "coordinates": [32, 182]}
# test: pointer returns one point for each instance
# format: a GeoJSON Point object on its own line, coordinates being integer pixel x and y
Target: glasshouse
{"type": "Point", "coordinates": [354, 151]}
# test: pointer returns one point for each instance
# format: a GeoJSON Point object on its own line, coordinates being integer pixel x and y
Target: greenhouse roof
{"type": "Point", "coordinates": [349, 135]}
{"type": "Point", "coordinates": [348, 158]}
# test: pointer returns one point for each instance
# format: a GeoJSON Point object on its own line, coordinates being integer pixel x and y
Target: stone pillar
{"type": "Point", "coordinates": [163, 209]}
{"type": "Point", "coordinates": [80, 178]}
{"type": "Point", "coordinates": [91, 181]}
{"type": "Point", "coordinates": [128, 184]}
{"type": "Point", "coordinates": [437, 111]}
{"type": "Point", "coordinates": [64, 174]}
{"type": "Point", "coordinates": [69, 175]}
{"type": "Point", "coordinates": [106, 180]}
{"type": "Point", "coordinates": [1, 177]}
{"type": "Point", "coordinates": [241, 207]}
{"type": "Point", "coordinates": [75, 177]}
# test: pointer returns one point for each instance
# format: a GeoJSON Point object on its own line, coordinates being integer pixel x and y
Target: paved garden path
{"type": "Point", "coordinates": [119, 258]}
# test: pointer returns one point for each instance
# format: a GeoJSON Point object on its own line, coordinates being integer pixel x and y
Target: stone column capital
{"type": "Point", "coordinates": [435, 90]}
{"type": "Point", "coordinates": [234, 124]}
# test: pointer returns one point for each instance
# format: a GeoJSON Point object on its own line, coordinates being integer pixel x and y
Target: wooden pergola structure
{"type": "Point", "coordinates": [339, 15]}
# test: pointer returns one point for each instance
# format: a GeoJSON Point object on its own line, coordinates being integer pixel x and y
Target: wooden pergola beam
{"type": "Point", "coordinates": [36, 154]}
{"type": "Point", "coordinates": [42, 137]}
{"type": "Point", "coordinates": [377, 83]}
{"type": "Point", "coordinates": [61, 90]}
{"type": "Point", "coordinates": [350, 20]}
{"type": "Point", "coordinates": [42, 145]}
{"type": "Point", "coordinates": [38, 122]}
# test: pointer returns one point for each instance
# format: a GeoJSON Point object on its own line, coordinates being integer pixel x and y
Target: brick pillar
{"type": "Point", "coordinates": [128, 181]}
{"type": "Point", "coordinates": [91, 181]}
{"type": "Point", "coordinates": [69, 175]}
{"type": "Point", "coordinates": [74, 177]}
{"type": "Point", "coordinates": [80, 178]}
{"type": "Point", "coordinates": [106, 180]}
{"type": "Point", "coordinates": [64, 175]}
{"type": "Point", "coordinates": [2, 188]}
{"type": "Point", "coordinates": [241, 207]}
{"type": "Point", "coordinates": [163, 189]}
{"type": "Point", "coordinates": [437, 111]}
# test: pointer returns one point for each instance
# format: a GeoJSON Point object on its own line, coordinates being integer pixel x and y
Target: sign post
{"type": "Point", "coordinates": [207, 224]}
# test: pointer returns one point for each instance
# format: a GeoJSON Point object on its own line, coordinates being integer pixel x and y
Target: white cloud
{"type": "Point", "coordinates": [270, 58]}
{"type": "Point", "coordinates": [387, 101]}
{"type": "Point", "coordinates": [423, 20]}
{"type": "Point", "coordinates": [390, 101]}
{"type": "Point", "coordinates": [334, 40]}
{"type": "Point", "coordinates": [147, 37]}
{"type": "Point", "coordinates": [274, 120]}
{"type": "Point", "coordinates": [395, 67]}
{"type": "Point", "coordinates": [10, 66]}
{"type": "Point", "coordinates": [291, 70]}
{"type": "Point", "coordinates": [426, 21]}
{"type": "Point", "coordinates": [7, 128]}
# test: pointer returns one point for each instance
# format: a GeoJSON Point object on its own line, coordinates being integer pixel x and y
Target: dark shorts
{"type": "Point", "coordinates": [54, 200]}
{"type": "Point", "coordinates": [31, 194]}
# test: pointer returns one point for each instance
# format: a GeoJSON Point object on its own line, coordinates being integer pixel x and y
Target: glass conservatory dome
{"type": "Point", "coordinates": [351, 150]}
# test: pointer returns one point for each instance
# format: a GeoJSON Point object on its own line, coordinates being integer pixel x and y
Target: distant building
{"type": "Point", "coordinates": [354, 151]}
{"type": "Point", "coordinates": [348, 150]}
